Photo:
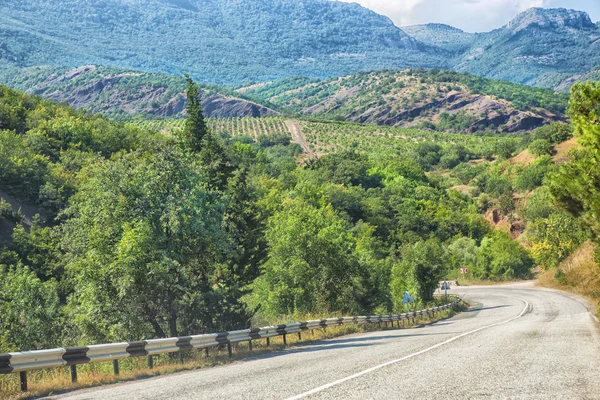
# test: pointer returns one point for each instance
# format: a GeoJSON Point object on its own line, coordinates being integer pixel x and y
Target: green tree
{"type": "Point", "coordinates": [423, 265]}
{"type": "Point", "coordinates": [142, 246]}
{"type": "Point", "coordinates": [500, 257]}
{"type": "Point", "coordinates": [576, 184]}
{"type": "Point", "coordinates": [312, 266]}
{"type": "Point", "coordinates": [195, 126]}
{"type": "Point", "coordinates": [540, 147]}
{"type": "Point", "coordinates": [30, 317]}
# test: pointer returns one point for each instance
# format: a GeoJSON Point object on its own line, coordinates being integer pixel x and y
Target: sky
{"type": "Point", "coordinates": [468, 15]}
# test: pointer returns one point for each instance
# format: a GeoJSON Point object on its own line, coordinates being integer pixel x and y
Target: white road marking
{"type": "Point", "coordinates": [375, 368]}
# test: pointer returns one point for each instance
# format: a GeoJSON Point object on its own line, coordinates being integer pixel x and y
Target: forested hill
{"type": "Point", "coordinates": [215, 41]}
{"type": "Point", "coordinates": [236, 41]}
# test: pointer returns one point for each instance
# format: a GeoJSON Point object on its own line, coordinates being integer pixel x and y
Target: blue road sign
{"type": "Point", "coordinates": [407, 298]}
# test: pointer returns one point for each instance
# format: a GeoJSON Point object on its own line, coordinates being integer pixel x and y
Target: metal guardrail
{"type": "Point", "coordinates": [72, 356]}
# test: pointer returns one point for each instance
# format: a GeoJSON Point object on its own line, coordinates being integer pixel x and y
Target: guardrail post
{"type": "Point", "coordinates": [268, 342]}
{"type": "Point", "coordinates": [180, 357]}
{"type": "Point", "coordinates": [23, 379]}
{"type": "Point", "coordinates": [299, 336]}
{"type": "Point", "coordinates": [150, 362]}
{"type": "Point", "coordinates": [284, 338]}
{"type": "Point", "coordinates": [73, 373]}
{"type": "Point", "coordinates": [116, 367]}
{"type": "Point", "coordinates": [250, 345]}
{"type": "Point", "coordinates": [206, 352]}
{"type": "Point", "coordinates": [229, 350]}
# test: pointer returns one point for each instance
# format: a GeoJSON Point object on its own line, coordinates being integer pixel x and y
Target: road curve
{"type": "Point", "coordinates": [516, 342]}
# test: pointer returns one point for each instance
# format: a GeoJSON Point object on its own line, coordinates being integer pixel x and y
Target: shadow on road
{"type": "Point", "coordinates": [477, 309]}
{"type": "Point", "coordinates": [332, 344]}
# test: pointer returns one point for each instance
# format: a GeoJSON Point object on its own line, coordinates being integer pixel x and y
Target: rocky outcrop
{"type": "Point", "coordinates": [487, 113]}
{"type": "Point", "coordinates": [555, 18]}
{"type": "Point", "coordinates": [229, 107]}
{"type": "Point", "coordinates": [130, 93]}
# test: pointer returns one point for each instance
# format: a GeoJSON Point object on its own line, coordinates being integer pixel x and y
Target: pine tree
{"type": "Point", "coordinates": [195, 126]}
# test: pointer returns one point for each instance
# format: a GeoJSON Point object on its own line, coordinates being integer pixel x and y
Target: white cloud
{"type": "Point", "coordinates": [470, 15]}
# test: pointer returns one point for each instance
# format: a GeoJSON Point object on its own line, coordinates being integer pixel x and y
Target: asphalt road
{"type": "Point", "coordinates": [516, 342]}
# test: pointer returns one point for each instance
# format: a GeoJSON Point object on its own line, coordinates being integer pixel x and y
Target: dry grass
{"type": "Point", "coordinates": [578, 274]}
{"type": "Point", "coordinates": [58, 380]}
{"type": "Point", "coordinates": [471, 281]}
{"type": "Point", "coordinates": [563, 149]}
{"type": "Point", "coordinates": [524, 158]}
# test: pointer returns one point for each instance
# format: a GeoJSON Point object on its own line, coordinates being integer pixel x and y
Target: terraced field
{"type": "Point", "coordinates": [318, 138]}
{"type": "Point", "coordinates": [327, 137]}
{"type": "Point", "coordinates": [253, 127]}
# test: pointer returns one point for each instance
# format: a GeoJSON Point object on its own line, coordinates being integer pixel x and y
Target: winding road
{"type": "Point", "coordinates": [517, 341]}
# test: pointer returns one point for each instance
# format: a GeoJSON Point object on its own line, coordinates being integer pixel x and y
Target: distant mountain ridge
{"type": "Point", "coordinates": [540, 47]}
{"type": "Point", "coordinates": [225, 41]}
{"type": "Point", "coordinates": [242, 41]}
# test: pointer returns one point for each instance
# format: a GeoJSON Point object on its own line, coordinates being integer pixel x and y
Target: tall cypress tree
{"type": "Point", "coordinates": [195, 126]}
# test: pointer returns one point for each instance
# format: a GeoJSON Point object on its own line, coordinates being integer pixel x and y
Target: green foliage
{"type": "Point", "coordinates": [540, 147]}
{"type": "Point", "coordinates": [423, 265]}
{"type": "Point", "coordinates": [18, 164]}
{"type": "Point", "coordinates": [458, 122]}
{"type": "Point", "coordinates": [500, 258]}
{"type": "Point", "coordinates": [195, 127]}
{"type": "Point", "coordinates": [29, 309]}
{"type": "Point", "coordinates": [555, 238]}
{"type": "Point", "coordinates": [554, 133]}
{"type": "Point", "coordinates": [552, 233]}
{"type": "Point", "coordinates": [312, 264]}
{"type": "Point", "coordinates": [575, 184]}
{"type": "Point", "coordinates": [533, 175]}
{"type": "Point", "coordinates": [142, 245]}
{"type": "Point", "coordinates": [465, 172]}
{"type": "Point", "coordinates": [462, 253]}
{"type": "Point", "coordinates": [45, 135]}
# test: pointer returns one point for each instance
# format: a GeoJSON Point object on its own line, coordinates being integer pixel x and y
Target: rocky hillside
{"type": "Point", "coordinates": [443, 100]}
{"type": "Point", "coordinates": [121, 93]}
{"type": "Point", "coordinates": [440, 100]}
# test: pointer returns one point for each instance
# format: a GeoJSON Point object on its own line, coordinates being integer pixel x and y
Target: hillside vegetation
{"type": "Point", "coordinates": [152, 235]}
{"type": "Point", "coordinates": [443, 100]}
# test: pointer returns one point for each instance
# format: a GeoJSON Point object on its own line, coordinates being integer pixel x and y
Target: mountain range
{"type": "Point", "coordinates": [244, 41]}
